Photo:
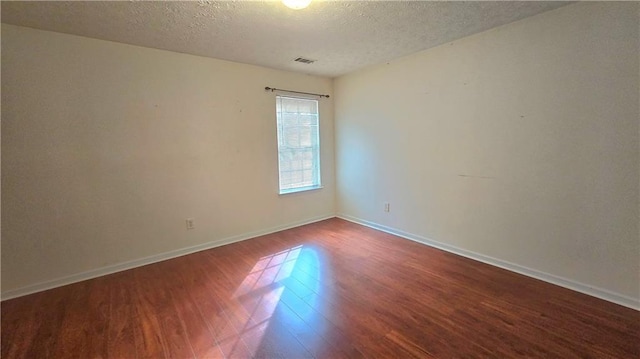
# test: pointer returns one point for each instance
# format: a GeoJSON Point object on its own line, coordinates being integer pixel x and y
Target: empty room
{"type": "Point", "coordinates": [320, 179]}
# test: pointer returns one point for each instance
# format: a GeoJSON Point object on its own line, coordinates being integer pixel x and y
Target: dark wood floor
{"type": "Point", "coordinates": [331, 289]}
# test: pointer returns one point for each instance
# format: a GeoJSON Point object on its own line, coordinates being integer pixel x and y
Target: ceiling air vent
{"type": "Point", "coordinates": [304, 61]}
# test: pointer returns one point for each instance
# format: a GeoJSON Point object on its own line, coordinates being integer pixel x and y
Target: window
{"type": "Point", "coordinates": [298, 144]}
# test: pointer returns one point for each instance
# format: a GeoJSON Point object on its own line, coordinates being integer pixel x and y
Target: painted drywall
{"type": "Point", "coordinates": [107, 149]}
{"type": "Point", "coordinates": [520, 144]}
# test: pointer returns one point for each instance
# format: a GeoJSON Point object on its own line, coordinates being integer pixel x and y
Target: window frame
{"type": "Point", "coordinates": [317, 158]}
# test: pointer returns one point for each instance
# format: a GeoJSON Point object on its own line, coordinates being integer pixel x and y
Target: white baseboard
{"type": "Point", "coordinates": [38, 287]}
{"type": "Point", "coordinates": [550, 278]}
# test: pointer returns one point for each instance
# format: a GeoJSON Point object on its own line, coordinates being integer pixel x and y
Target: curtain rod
{"type": "Point", "coordinates": [304, 93]}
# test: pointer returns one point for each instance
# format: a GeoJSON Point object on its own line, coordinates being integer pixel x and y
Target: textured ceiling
{"type": "Point", "coordinates": [342, 36]}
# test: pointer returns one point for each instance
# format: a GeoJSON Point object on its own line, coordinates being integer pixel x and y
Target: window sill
{"type": "Point", "coordinates": [300, 189]}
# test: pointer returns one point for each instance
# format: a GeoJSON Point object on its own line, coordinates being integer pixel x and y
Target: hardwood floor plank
{"type": "Point", "coordinates": [178, 345]}
{"type": "Point", "coordinates": [310, 338]}
{"type": "Point", "coordinates": [53, 308]}
{"type": "Point", "coordinates": [202, 341]}
{"type": "Point", "coordinates": [320, 325]}
{"type": "Point", "coordinates": [150, 341]}
{"type": "Point", "coordinates": [20, 324]}
{"type": "Point", "coordinates": [73, 332]}
{"type": "Point", "coordinates": [411, 348]}
{"type": "Point", "coordinates": [120, 337]}
{"type": "Point", "coordinates": [285, 344]}
{"type": "Point", "coordinates": [208, 299]}
{"type": "Point", "coordinates": [98, 315]}
{"type": "Point", "coordinates": [332, 289]}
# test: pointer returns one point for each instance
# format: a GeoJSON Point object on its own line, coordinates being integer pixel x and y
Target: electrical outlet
{"type": "Point", "coordinates": [191, 223]}
{"type": "Point", "coordinates": [387, 207]}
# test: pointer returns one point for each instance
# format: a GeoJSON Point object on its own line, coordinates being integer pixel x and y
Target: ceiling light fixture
{"type": "Point", "coordinates": [296, 4]}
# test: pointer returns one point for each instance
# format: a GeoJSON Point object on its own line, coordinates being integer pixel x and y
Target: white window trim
{"type": "Point", "coordinates": [300, 189]}
{"type": "Point", "coordinates": [305, 188]}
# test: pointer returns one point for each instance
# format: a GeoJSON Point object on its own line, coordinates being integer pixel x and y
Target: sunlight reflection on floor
{"type": "Point", "coordinates": [259, 294]}
{"type": "Point", "coordinates": [268, 270]}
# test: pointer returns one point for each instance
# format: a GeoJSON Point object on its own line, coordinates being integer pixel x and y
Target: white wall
{"type": "Point", "coordinates": [107, 148]}
{"type": "Point", "coordinates": [519, 144]}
